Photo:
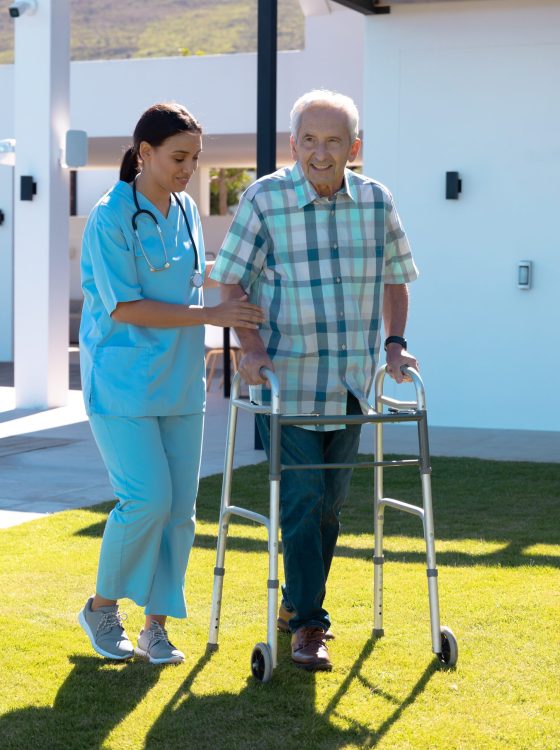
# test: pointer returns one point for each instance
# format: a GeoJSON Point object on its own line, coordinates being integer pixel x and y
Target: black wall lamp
{"type": "Point", "coordinates": [28, 188]}
{"type": "Point", "coordinates": [2, 217]}
{"type": "Point", "coordinates": [453, 186]}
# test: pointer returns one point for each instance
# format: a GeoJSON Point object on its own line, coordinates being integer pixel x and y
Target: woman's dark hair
{"type": "Point", "coordinates": [158, 123]}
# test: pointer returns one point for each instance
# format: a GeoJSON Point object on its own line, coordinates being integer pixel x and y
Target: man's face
{"type": "Point", "coordinates": [323, 147]}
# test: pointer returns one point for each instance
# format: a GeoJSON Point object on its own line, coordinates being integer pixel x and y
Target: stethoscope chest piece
{"type": "Point", "coordinates": [197, 280]}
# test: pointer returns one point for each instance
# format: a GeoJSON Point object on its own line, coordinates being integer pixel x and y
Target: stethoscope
{"type": "Point", "coordinates": [196, 279]}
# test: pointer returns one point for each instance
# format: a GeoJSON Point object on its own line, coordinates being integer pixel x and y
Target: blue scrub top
{"type": "Point", "coordinates": [130, 370]}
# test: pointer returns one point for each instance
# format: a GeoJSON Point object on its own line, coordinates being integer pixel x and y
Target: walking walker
{"type": "Point", "coordinates": [264, 656]}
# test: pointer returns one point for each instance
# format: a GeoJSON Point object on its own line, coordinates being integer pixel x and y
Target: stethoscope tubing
{"type": "Point", "coordinates": [196, 278]}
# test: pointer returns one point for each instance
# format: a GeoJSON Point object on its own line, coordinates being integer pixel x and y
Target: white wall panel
{"type": "Point", "coordinates": [470, 87]}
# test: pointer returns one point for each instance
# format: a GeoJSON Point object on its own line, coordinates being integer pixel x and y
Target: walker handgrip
{"type": "Point", "coordinates": [414, 376]}
{"type": "Point", "coordinates": [272, 378]}
{"type": "Point", "coordinates": [274, 384]}
{"type": "Point", "coordinates": [266, 373]}
{"type": "Point", "coordinates": [410, 372]}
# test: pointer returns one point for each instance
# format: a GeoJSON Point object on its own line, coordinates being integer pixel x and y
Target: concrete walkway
{"type": "Point", "coordinates": [49, 461]}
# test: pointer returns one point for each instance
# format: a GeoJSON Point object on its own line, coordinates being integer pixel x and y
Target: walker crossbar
{"type": "Point", "coordinates": [264, 656]}
{"type": "Point", "coordinates": [312, 419]}
{"type": "Point", "coordinates": [250, 515]}
{"type": "Point", "coordinates": [399, 505]}
{"type": "Point", "coordinates": [358, 465]}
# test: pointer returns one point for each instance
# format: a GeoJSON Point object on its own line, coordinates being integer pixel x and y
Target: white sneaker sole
{"type": "Point", "coordinates": [170, 660]}
{"type": "Point", "coordinates": [83, 622]}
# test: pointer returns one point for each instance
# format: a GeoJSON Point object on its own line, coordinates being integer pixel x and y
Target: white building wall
{"type": "Point", "coordinates": [6, 264]}
{"type": "Point", "coordinates": [221, 90]}
{"type": "Point", "coordinates": [106, 100]}
{"type": "Point", "coordinates": [7, 99]}
{"type": "Point", "coordinates": [473, 87]}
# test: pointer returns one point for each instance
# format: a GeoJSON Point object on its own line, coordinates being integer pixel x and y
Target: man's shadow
{"type": "Point", "coordinates": [95, 697]}
{"type": "Point", "coordinates": [275, 715]}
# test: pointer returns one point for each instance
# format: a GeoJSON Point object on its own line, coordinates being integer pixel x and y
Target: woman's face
{"type": "Point", "coordinates": [171, 164]}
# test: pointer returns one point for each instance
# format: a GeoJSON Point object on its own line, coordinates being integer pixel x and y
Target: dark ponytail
{"type": "Point", "coordinates": [158, 123]}
{"type": "Point", "coordinates": [129, 165]}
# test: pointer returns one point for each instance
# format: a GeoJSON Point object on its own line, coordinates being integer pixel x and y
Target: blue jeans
{"type": "Point", "coordinates": [310, 505]}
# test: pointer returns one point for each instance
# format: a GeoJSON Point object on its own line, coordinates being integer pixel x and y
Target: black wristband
{"type": "Point", "coordinates": [395, 340]}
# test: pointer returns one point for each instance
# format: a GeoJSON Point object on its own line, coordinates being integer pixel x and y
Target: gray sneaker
{"type": "Point", "coordinates": [105, 630]}
{"type": "Point", "coordinates": [154, 644]}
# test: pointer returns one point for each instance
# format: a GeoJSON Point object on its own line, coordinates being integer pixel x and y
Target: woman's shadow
{"type": "Point", "coordinates": [95, 697]}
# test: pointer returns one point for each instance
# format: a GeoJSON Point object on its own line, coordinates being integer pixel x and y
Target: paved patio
{"type": "Point", "coordinates": [49, 461]}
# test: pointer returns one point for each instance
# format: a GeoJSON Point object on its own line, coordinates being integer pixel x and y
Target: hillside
{"type": "Point", "coordinates": [104, 29]}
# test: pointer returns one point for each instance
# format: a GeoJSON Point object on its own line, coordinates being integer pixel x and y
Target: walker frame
{"type": "Point", "coordinates": [264, 655]}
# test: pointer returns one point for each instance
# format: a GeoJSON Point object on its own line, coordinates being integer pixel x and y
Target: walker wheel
{"type": "Point", "coordinates": [261, 662]}
{"type": "Point", "coordinates": [449, 649]}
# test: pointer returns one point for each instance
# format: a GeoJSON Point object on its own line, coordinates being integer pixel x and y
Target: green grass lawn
{"type": "Point", "coordinates": [497, 531]}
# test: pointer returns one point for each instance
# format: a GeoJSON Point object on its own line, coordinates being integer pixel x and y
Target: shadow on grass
{"type": "Point", "coordinates": [512, 554]}
{"type": "Point", "coordinates": [513, 504]}
{"type": "Point", "coordinates": [364, 735]}
{"type": "Point", "coordinates": [281, 714]}
{"type": "Point", "coordinates": [95, 697]}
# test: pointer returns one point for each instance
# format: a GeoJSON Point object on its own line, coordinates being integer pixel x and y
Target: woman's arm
{"type": "Point", "coordinates": [151, 313]}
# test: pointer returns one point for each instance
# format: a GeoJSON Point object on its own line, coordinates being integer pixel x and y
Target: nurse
{"type": "Point", "coordinates": [143, 378]}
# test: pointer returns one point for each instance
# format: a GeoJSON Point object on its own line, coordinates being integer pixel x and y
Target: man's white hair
{"type": "Point", "coordinates": [324, 97]}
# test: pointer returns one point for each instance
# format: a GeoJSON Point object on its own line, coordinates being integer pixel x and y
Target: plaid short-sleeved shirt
{"type": "Point", "coordinates": [317, 266]}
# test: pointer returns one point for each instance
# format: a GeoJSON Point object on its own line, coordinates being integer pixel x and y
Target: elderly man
{"type": "Point", "coordinates": [322, 251]}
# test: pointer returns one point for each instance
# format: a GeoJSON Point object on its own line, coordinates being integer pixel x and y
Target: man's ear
{"type": "Point", "coordinates": [355, 149]}
{"type": "Point", "coordinates": [293, 147]}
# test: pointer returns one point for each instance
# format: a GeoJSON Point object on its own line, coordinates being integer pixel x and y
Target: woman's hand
{"type": "Point", "coordinates": [235, 313]}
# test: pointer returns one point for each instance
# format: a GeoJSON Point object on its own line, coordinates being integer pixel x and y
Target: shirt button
{"type": "Point", "coordinates": [338, 279]}
{"type": "Point", "coordinates": [341, 314]}
{"type": "Point", "coordinates": [335, 246]}
{"type": "Point", "coordinates": [343, 347]}
{"type": "Point", "coordinates": [342, 393]}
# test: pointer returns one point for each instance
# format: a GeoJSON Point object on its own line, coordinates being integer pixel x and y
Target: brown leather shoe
{"type": "Point", "coordinates": [309, 649]}
{"type": "Point", "coordinates": [284, 617]}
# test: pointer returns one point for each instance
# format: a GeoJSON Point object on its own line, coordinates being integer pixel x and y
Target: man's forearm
{"type": "Point", "coordinates": [395, 309]}
{"type": "Point", "coordinates": [249, 339]}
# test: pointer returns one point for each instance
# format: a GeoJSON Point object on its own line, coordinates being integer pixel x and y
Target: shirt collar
{"type": "Point", "coordinates": [306, 193]}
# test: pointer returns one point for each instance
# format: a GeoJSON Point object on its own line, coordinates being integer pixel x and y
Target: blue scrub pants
{"type": "Point", "coordinates": [153, 465]}
{"type": "Point", "coordinates": [310, 505]}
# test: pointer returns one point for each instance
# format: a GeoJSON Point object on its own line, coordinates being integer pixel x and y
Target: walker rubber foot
{"type": "Point", "coordinates": [378, 633]}
{"type": "Point", "coordinates": [211, 647]}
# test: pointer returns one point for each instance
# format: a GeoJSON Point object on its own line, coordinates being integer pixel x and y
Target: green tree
{"type": "Point", "coordinates": [226, 186]}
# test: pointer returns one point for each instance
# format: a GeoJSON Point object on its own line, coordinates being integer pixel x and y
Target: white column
{"type": "Point", "coordinates": [199, 190]}
{"type": "Point", "coordinates": [6, 265]}
{"type": "Point", "coordinates": [41, 263]}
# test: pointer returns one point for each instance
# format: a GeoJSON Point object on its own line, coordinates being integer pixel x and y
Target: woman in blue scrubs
{"type": "Point", "coordinates": [143, 377]}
